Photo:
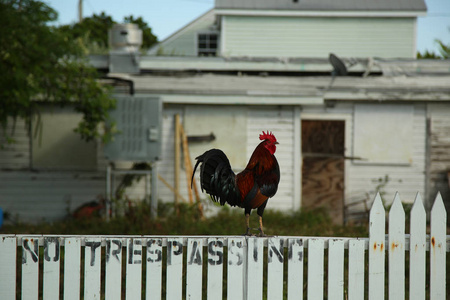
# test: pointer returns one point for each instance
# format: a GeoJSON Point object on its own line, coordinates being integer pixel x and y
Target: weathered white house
{"type": "Point", "coordinates": [306, 28]}
{"type": "Point", "coordinates": [339, 137]}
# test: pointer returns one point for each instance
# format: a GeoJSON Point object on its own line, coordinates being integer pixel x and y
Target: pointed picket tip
{"type": "Point", "coordinates": [418, 204]}
{"type": "Point", "coordinates": [397, 215]}
{"type": "Point", "coordinates": [397, 206]}
{"type": "Point", "coordinates": [418, 214]}
{"type": "Point", "coordinates": [438, 204]}
{"type": "Point", "coordinates": [377, 206]}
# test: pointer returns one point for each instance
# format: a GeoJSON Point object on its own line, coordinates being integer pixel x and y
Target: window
{"type": "Point", "coordinates": [207, 44]}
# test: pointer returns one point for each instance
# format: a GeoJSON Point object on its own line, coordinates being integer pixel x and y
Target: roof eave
{"type": "Point", "coordinates": [319, 13]}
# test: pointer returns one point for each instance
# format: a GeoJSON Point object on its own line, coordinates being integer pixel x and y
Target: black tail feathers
{"type": "Point", "coordinates": [216, 177]}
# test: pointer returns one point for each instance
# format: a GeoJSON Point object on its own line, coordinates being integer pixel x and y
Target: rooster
{"type": "Point", "coordinates": [249, 189]}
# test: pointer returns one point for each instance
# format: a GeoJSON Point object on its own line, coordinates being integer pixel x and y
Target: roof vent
{"type": "Point", "coordinates": [124, 41]}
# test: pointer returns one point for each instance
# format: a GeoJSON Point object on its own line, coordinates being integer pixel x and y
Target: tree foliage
{"type": "Point", "coordinates": [94, 31]}
{"type": "Point", "coordinates": [444, 52]}
{"type": "Point", "coordinates": [44, 64]}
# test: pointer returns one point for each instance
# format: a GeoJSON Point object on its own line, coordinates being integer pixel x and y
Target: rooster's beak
{"type": "Point", "coordinates": [276, 143]}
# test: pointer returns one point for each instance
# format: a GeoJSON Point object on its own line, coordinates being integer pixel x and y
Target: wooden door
{"type": "Point", "coordinates": [323, 166]}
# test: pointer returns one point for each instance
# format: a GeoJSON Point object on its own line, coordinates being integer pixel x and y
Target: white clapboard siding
{"type": "Point", "coordinates": [194, 269]}
{"type": "Point", "coordinates": [356, 249]}
{"type": "Point", "coordinates": [253, 264]}
{"type": "Point", "coordinates": [336, 269]}
{"type": "Point", "coordinates": [281, 122]}
{"type": "Point", "coordinates": [92, 268]}
{"type": "Point", "coordinates": [134, 269]}
{"type": "Point", "coordinates": [51, 268]}
{"type": "Point", "coordinates": [30, 268]}
{"type": "Point", "coordinates": [396, 250]}
{"type": "Point", "coordinates": [407, 179]}
{"type": "Point", "coordinates": [8, 256]}
{"type": "Point", "coordinates": [295, 269]}
{"type": "Point", "coordinates": [215, 268]}
{"type": "Point", "coordinates": [376, 250]}
{"type": "Point", "coordinates": [350, 37]}
{"type": "Point", "coordinates": [174, 269]}
{"type": "Point", "coordinates": [315, 269]}
{"type": "Point", "coordinates": [417, 250]}
{"type": "Point", "coordinates": [48, 195]}
{"type": "Point", "coordinates": [275, 262]}
{"type": "Point", "coordinates": [113, 269]}
{"type": "Point", "coordinates": [438, 249]}
{"type": "Point", "coordinates": [154, 269]}
{"type": "Point", "coordinates": [72, 268]}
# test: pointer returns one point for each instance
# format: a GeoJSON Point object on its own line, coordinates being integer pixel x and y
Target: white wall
{"type": "Point", "coordinates": [360, 177]}
{"type": "Point", "coordinates": [318, 36]}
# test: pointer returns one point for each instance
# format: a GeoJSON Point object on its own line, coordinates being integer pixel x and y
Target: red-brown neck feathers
{"type": "Point", "coordinates": [270, 141]}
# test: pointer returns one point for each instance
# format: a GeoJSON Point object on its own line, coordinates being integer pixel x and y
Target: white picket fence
{"type": "Point", "coordinates": [234, 267]}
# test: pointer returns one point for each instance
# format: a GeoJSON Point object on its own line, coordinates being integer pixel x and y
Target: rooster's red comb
{"type": "Point", "coordinates": [267, 136]}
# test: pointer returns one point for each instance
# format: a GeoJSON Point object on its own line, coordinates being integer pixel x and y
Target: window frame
{"type": "Point", "coordinates": [207, 51]}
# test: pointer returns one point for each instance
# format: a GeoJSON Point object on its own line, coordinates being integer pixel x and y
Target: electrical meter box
{"type": "Point", "coordinates": [139, 123]}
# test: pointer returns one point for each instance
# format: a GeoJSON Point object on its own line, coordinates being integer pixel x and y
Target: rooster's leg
{"type": "Point", "coordinates": [261, 232]}
{"type": "Point", "coordinates": [247, 222]}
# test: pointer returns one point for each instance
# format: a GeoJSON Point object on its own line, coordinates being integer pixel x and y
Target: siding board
{"type": "Point", "coordinates": [318, 36]}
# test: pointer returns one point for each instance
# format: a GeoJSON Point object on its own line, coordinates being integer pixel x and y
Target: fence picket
{"type": "Point", "coordinates": [8, 256]}
{"type": "Point", "coordinates": [417, 250]}
{"type": "Point", "coordinates": [295, 269]}
{"type": "Point", "coordinates": [275, 263]}
{"type": "Point", "coordinates": [335, 269]}
{"type": "Point", "coordinates": [438, 249]}
{"type": "Point", "coordinates": [315, 268]}
{"type": "Point", "coordinates": [134, 269]}
{"type": "Point", "coordinates": [245, 263]}
{"type": "Point", "coordinates": [376, 249]}
{"type": "Point", "coordinates": [174, 269]}
{"type": "Point", "coordinates": [51, 268]}
{"type": "Point", "coordinates": [92, 267]}
{"type": "Point", "coordinates": [30, 268]}
{"type": "Point", "coordinates": [215, 268]}
{"type": "Point", "coordinates": [396, 250]}
{"type": "Point", "coordinates": [356, 269]}
{"type": "Point", "coordinates": [154, 269]}
{"type": "Point", "coordinates": [255, 259]}
{"type": "Point", "coordinates": [113, 269]}
{"type": "Point", "coordinates": [72, 268]}
{"type": "Point", "coordinates": [236, 267]}
{"type": "Point", "coordinates": [194, 269]}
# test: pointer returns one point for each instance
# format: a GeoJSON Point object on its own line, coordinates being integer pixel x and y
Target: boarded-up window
{"type": "Point", "coordinates": [55, 145]}
{"type": "Point", "coordinates": [323, 166]}
{"type": "Point", "coordinates": [383, 133]}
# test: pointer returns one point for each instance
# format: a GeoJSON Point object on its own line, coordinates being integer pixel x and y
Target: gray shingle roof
{"type": "Point", "coordinates": [325, 5]}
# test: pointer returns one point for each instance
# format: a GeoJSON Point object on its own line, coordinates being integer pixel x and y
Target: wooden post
{"type": "Point", "coordinates": [187, 165]}
{"type": "Point", "coordinates": [189, 170]}
{"type": "Point", "coordinates": [177, 157]}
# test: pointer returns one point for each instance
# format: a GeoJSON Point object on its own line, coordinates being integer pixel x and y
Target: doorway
{"type": "Point", "coordinates": [323, 146]}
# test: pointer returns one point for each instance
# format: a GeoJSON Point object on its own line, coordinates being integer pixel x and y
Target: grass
{"type": "Point", "coordinates": [185, 219]}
